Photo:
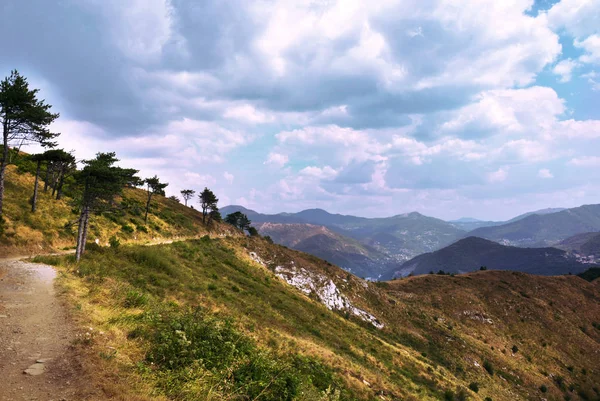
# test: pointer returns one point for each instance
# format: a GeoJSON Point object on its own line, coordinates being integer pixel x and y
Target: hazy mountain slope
{"type": "Point", "coordinates": [421, 338]}
{"type": "Point", "coordinates": [585, 243]}
{"type": "Point", "coordinates": [471, 253]}
{"type": "Point", "coordinates": [355, 257]}
{"type": "Point", "coordinates": [544, 230]}
{"type": "Point", "coordinates": [396, 239]}
{"type": "Point", "coordinates": [549, 210]}
{"type": "Point", "coordinates": [468, 224]}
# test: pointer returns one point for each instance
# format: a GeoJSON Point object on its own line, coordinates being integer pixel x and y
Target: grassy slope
{"type": "Point", "coordinates": [436, 336]}
{"type": "Point", "coordinates": [54, 226]}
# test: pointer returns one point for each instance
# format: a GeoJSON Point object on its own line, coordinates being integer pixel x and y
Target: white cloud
{"type": "Point", "coordinates": [580, 18]}
{"type": "Point", "coordinates": [498, 175]}
{"type": "Point", "coordinates": [228, 177]}
{"type": "Point", "coordinates": [319, 172]}
{"type": "Point", "coordinates": [591, 45]}
{"type": "Point", "coordinates": [507, 111]}
{"type": "Point", "coordinates": [586, 161]}
{"type": "Point", "coordinates": [564, 69]}
{"type": "Point", "coordinates": [277, 159]}
{"type": "Point", "coordinates": [247, 113]}
{"type": "Point", "coordinates": [545, 173]}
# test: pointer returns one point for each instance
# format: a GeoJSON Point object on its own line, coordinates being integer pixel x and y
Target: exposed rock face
{"type": "Point", "coordinates": [325, 290]}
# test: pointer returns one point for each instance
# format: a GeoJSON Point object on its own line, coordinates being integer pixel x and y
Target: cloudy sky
{"type": "Point", "coordinates": [480, 108]}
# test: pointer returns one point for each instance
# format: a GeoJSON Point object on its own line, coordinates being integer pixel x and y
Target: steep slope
{"type": "Point", "coordinates": [54, 224]}
{"type": "Point", "coordinates": [355, 257]}
{"type": "Point", "coordinates": [544, 230]}
{"type": "Point", "coordinates": [470, 253]}
{"type": "Point", "coordinates": [317, 333]}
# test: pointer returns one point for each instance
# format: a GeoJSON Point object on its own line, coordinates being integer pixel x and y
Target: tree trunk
{"type": "Point", "coordinates": [3, 162]}
{"type": "Point", "coordinates": [147, 207]}
{"type": "Point", "coordinates": [82, 233]}
{"type": "Point", "coordinates": [61, 181]}
{"type": "Point", "coordinates": [47, 179]}
{"type": "Point", "coordinates": [85, 230]}
{"type": "Point", "coordinates": [55, 175]}
{"type": "Point", "coordinates": [35, 187]}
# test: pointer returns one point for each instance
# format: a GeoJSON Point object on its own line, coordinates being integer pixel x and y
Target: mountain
{"type": "Point", "coordinates": [471, 253]}
{"type": "Point", "coordinates": [469, 223]}
{"type": "Point", "coordinates": [320, 241]}
{"type": "Point", "coordinates": [240, 318]}
{"type": "Point", "coordinates": [393, 239]}
{"type": "Point", "coordinates": [549, 210]}
{"type": "Point", "coordinates": [538, 230]}
{"type": "Point", "coordinates": [585, 246]}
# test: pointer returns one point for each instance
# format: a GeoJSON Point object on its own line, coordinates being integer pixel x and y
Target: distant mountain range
{"type": "Point", "coordinates": [372, 247]}
{"type": "Point", "coordinates": [539, 230]}
{"type": "Point", "coordinates": [471, 253]}
{"type": "Point", "coordinates": [385, 241]}
{"type": "Point", "coordinates": [469, 224]}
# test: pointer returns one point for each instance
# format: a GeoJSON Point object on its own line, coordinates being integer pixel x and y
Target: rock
{"type": "Point", "coordinates": [3, 316]}
{"type": "Point", "coordinates": [44, 360]}
{"type": "Point", "coordinates": [35, 370]}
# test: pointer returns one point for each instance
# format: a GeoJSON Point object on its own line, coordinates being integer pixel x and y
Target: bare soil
{"type": "Point", "coordinates": [35, 327]}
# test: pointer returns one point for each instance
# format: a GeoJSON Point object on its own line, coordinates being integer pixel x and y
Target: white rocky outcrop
{"type": "Point", "coordinates": [325, 289]}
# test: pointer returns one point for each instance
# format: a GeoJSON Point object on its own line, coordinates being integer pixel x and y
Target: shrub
{"type": "Point", "coordinates": [543, 388]}
{"type": "Point", "coordinates": [515, 349]}
{"type": "Point", "coordinates": [483, 268]}
{"type": "Point", "coordinates": [114, 242]}
{"type": "Point", "coordinates": [135, 299]}
{"type": "Point", "coordinates": [474, 386]}
{"type": "Point", "coordinates": [487, 365]}
{"type": "Point", "coordinates": [126, 228]}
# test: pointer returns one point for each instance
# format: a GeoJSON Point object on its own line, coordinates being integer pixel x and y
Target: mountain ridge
{"type": "Point", "coordinates": [469, 254]}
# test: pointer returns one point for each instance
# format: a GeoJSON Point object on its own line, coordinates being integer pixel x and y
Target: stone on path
{"type": "Point", "coordinates": [35, 369]}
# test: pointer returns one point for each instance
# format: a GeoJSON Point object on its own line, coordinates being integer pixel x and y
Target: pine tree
{"type": "Point", "coordinates": [187, 194]}
{"type": "Point", "coordinates": [24, 118]}
{"type": "Point", "coordinates": [208, 200]}
{"type": "Point", "coordinates": [100, 181]}
{"type": "Point", "coordinates": [154, 187]}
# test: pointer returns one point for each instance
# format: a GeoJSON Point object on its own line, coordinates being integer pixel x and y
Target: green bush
{"type": "Point", "coordinates": [515, 349]}
{"type": "Point", "coordinates": [126, 228]}
{"type": "Point", "coordinates": [487, 365]}
{"type": "Point", "coordinates": [543, 388]}
{"type": "Point", "coordinates": [474, 386]}
{"type": "Point", "coordinates": [135, 299]}
{"type": "Point", "coordinates": [114, 242]}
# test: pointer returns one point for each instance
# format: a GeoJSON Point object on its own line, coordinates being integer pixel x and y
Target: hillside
{"type": "Point", "coordinates": [398, 238]}
{"type": "Point", "coordinates": [471, 253]}
{"type": "Point", "coordinates": [544, 230]}
{"type": "Point", "coordinates": [53, 226]}
{"type": "Point", "coordinates": [585, 246]}
{"type": "Point", "coordinates": [355, 257]}
{"type": "Point", "coordinates": [309, 330]}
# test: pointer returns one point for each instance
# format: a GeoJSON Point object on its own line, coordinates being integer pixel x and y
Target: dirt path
{"type": "Point", "coordinates": [36, 333]}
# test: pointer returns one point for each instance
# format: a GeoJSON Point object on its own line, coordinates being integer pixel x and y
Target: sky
{"type": "Point", "coordinates": [480, 108]}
